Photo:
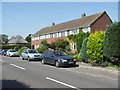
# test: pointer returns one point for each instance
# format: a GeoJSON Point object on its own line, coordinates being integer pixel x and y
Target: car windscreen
{"type": "Point", "coordinates": [12, 51]}
{"type": "Point", "coordinates": [32, 51]}
{"type": "Point", "coordinates": [59, 53]}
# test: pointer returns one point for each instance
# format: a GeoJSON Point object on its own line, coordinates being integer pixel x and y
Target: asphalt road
{"type": "Point", "coordinates": [18, 73]}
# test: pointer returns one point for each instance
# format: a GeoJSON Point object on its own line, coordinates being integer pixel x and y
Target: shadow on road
{"type": "Point", "coordinates": [13, 84]}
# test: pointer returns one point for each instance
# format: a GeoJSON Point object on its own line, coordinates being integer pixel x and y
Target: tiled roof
{"type": "Point", "coordinates": [17, 40]}
{"type": "Point", "coordinates": [80, 22]}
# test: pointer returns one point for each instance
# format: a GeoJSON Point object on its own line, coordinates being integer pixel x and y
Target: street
{"type": "Point", "coordinates": [18, 73]}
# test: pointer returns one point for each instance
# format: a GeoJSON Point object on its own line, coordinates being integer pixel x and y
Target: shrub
{"type": "Point", "coordinates": [95, 46]}
{"type": "Point", "coordinates": [43, 46]}
{"type": "Point", "coordinates": [6, 46]}
{"type": "Point", "coordinates": [21, 49]}
{"type": "Point", "coordinates": [83, 55]}
{"type": "Point", "coordinates": [112, 44]}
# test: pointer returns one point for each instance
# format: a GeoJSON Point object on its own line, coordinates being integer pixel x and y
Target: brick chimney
{"type": "Point", "coordinates": [53, 24]}
{"type": "Point", "coordinates": [83, 15]}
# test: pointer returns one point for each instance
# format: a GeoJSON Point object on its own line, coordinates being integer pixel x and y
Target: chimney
{"type": "Point", "coordinates": [83, 15]}
{"type": "Point", "coordinates": [53, 24]}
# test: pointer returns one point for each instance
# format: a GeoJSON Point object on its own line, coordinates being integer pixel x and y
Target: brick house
{"type": "Point", "coordinates": [90, 24]}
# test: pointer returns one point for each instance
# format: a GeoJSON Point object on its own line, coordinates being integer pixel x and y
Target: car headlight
{"type": "Point", "coordinates": [63, 60]}
{"type": "Point", "coordinates": [74, 59]}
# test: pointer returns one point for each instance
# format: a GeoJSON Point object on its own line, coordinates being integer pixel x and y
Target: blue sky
{"type": "Point", "coordinates": [28, 17]}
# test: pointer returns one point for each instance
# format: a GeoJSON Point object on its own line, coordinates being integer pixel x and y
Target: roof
{"type": "Point", "coordinates": [17, 40]}
{"type": "Point", "coordinates": [79, 22]}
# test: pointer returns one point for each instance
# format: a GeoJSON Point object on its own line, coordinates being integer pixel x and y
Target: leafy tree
{"type": "Point", "coordinates": [78, 39]}
{"type": "Point", "coordinates": [112, 44]}
{"type": "Point", "coordinates": [28, 38]}
{"type": "Point", "coordinates": [83, 54]}
{"type": "Point", "coordinates": [3, 38]}
{"type": "Point", "coordinates": [95, 46]}
{"type": "Point", "coordinates": [60, 44]}
{"type": "Point", "coordinates": [21, 49]}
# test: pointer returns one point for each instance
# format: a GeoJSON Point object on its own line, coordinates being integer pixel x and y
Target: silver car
{"type": "Point", "coordinates": [30, 54]}
{"type": "Point", "coordinates": [12, 52]}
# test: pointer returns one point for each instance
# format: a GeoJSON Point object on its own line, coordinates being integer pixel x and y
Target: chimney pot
{"type": "Point", "coordinates": [53, 24]}
{"type": "Point", "coordinates": [83, 15]}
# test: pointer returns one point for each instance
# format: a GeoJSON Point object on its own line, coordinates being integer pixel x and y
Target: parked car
{"type": "Point", "coordinates": [57, 58]}
{"type": "Point", "coordinates": [11, 52]}
{"type": "Point", "coordinates": [4, 51]}
{"type": "Point", "coordinates": [30, 54]}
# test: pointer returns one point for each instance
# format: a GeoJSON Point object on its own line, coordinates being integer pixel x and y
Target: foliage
{"type": "Point", "coordinates": [60, 44]}
{"type": "Point", "coordinates": [83, 55]}
{"type": "Point", "coordinates": [7, 46]}
{"type": "Point", "coordinates": [28, 38]}
{"type": "Point", "coordinates": [112, 44]}
{"type": "Point", "coordinates": [21, 49]}
{"type": "Point", "coordinates": [3, 38]}
{"type": "Point", "coordinates": [95, 46]}
{"type": "Point", "coordinates": [78, 39]}
{"type": "Point", "coordinates": [43, 46]}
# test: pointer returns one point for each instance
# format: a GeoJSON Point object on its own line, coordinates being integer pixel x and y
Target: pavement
{"type": "Point", "coordinates": [18, 73]}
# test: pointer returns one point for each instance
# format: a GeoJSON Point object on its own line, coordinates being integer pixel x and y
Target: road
{"type": "Point", "coordinates": [18, 73]}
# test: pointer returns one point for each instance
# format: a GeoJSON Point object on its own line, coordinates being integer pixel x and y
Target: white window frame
{"type": "Point", "coordinates": [47, 36]}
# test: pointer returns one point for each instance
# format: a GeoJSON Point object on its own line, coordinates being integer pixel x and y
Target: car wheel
{"type": "Point", "coordinates": [22, 58]}
{"type": "Point", "coordinates": [57, 64]}
{"type": "Point", "coordinates": [42, 61]}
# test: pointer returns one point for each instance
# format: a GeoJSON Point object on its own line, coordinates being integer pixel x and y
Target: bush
{"type": "Point", "coordinates": [112, 44]}
{"type": "Point", "coordinates": [43, 46]}
{"type": "Point", "coordinates": [6, 46]}
{"type": "Point", "coordinates": [83, 55]}
{"type": "Point", "coordinates": [21, 49]}
{"type": "Point", "coordinates": [95, 46]}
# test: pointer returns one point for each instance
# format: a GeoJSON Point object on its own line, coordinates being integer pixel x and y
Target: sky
{"type": "Point", "coordinates": [24, 18]}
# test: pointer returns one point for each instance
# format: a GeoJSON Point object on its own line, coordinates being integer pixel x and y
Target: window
{"type": "Point", "coordinates": [86, 29]}
{"type": "Point", "coordinates": [74, 31]}
{"type": "Point", "coordinates": [47, 36]}
{"type": "Point", "coordinates": [55, 35]}
{"type": "Point", "coordinates": [35, 38]}
{"type": "Point", "coordinates": [73, 46]}
{"type": "Point", "coordinates": [42, 37]}
{"type": "Point", "coordinates": [63, 33]}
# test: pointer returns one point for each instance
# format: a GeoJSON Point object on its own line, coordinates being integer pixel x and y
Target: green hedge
{"type": "Point", "coordinates": [2, 46]}
{"type": "Point", "coordinates": [21, 49]}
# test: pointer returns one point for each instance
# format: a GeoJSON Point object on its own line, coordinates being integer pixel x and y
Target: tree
{"type": "Point", "coordinates": [112, 44]}
{"type": "Point", "coordinates": [78, 39]}
{"type": "Point", "coordinates": [83, 54]}
{"type": "Point", "coordinates": [3, 38]}
{"type": "Point", "coordinates": [28, 38]}
{"type": "Point", "coordinates": [95, 46]}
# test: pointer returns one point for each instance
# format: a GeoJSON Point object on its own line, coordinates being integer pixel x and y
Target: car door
{"type": "Point", "coordinates": [51, 58]}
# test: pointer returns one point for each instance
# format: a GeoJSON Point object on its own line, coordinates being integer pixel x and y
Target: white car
{"type": "Point", "coordinates": [12, 52]}
{"type": "Point", "coordinates": [30, 54]}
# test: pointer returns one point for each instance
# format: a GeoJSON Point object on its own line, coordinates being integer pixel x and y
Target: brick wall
{"type": "Point", "coordinates": [101, 23]}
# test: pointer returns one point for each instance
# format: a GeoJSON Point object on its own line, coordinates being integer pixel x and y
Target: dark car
{"type": "Point", "coordinates": [3, 52]}
{"type": "Point", "coordinates": [57, 58]}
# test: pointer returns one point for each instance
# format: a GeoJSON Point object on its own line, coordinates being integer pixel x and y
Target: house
{"type": "Point", "coordinates": [17, 40]}
{"type": "Point", "coordinates": [90, 24]}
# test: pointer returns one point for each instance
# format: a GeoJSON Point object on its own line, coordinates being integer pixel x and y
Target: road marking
{"type": "Point", "coordinates": [17, 66]}
{"type": "Point", "coordinates": [1, 61]}
{"type": "Point", "coordinates": [61, 82]}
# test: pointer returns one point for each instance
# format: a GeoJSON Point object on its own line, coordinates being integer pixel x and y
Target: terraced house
{"type": "Point", "coordinates": [90, 24]}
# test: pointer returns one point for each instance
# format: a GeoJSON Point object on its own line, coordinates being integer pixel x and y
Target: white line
{"type": "Point", "coordinates": [1, 61]}
{"type": "Point", "coordinates": [61, 82]}
{"type": "Point", "coordinates": [17, 66]}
